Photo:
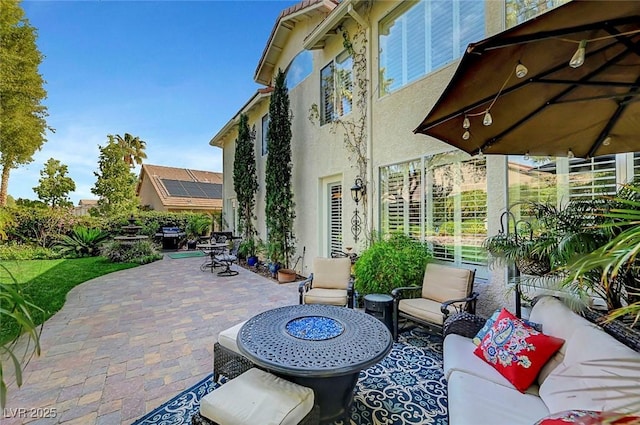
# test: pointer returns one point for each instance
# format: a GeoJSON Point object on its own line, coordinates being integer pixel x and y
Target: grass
{"type": "Point", "coordinates": [45, 283]}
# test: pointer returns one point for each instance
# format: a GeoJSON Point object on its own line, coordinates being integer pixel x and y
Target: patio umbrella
{"type": "Point", "coordinates": [532, 101]}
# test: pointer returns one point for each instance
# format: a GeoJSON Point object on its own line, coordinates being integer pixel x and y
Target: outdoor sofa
{"type": "Point", "coordinates": [586, 372]}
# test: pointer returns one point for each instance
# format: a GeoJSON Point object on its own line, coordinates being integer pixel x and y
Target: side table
{"type": "Point", "coordinates": [380, 306]}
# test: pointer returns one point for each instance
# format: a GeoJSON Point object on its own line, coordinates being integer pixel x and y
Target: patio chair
{"type": "Point", "coordinates": [226, 259]}
{"type": "Point", "coordinates": [227, 359]}
{"type": "Point", "coordinates": [330, 283]}
{"type": "Point", "coordinates": [445, 290]}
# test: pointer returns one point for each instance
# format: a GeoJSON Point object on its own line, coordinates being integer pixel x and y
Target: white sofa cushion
{"type": "Point", "coordinates": [459, 357]}
{"type": "Point", "coordinates": [257, 397]}
{"type": "Point", "coordinates": [228, 338]}
{"type": "Point", "coordinates": [594, 365]}
{"type": "Point", "coordinates": [474, 400]}
{"type": "Point", "coordinates": [557, 320]}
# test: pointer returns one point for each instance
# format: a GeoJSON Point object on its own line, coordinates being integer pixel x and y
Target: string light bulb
{"type": "Point", "coordinates": [487, 120]}
{"type": "Point", "coordinates": [606, 141]}
{"type": "Point", "coordinates": [521, 70]}
{"type": "Point", "coordinates": [466, 135]}
{"type": "Point", "coordinates": [480, 154]}
{"type": "Point", "coordinates": [466, 123]}
{"type": "Point", "coordinates": [570, 154]}
{"type": "Point", "coordinates": [577, 60]}
{"type": "Point", "coordinates": [526, 156]}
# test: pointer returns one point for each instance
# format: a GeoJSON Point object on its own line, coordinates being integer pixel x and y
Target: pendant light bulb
{"type": "Point", "coordinates": [521, 70]}
{"type": "Point", "coordinates": [606, 141]}
{"type": "Point", "coordinates": [466, 123]}
{"type": "Point", "coordinates": [466, 135]}
{"type": "Point", "coordinates": [578, 57]}
{"type": "Point", "coordinates": [487, 120]}
{"type": "Point", "coordinates": [570, 154]}
{"type": "Point", "coordinates": [526, 156]}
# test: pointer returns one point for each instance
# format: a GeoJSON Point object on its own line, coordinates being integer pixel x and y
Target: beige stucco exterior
{"type": "Point", "coordinates": [320, 157]}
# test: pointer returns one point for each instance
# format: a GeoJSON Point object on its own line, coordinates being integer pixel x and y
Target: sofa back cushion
{"type": "Point", "coordinates": [559, 321]}
{"type": "Point", "coordinates": [599, 373]}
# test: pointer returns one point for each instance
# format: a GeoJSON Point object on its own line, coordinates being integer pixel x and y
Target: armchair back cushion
{"type": "Point", "coordinates": [331, 273]}
{"type": "Point", "coordinates": [442, 283]}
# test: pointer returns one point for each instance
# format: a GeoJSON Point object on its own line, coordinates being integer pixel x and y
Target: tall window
{"type": "Point", "coordinates": [418, 38]}
{"type": "Point", "coordinates": [300, 68]}
{"type": "Point", "coordinates": [265, 130]}
{"type": "Point", "coordinates": [518, 11]}
{"type": "Point", "coordinates": [335, 217]}
{"type": "Point", "coordinates": [561, 180]}
{"type": "Point", "coordinates": [440, 200]}
{"type": "Point", "coordinates": [336, 88]}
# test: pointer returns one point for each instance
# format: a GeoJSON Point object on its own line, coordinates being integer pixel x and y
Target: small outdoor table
{"type": "Point", "coordinates": [322, 347]}
{"type": "Point", "coordinates": [380, 306]}
{"type": "Point", "coordinates": [211, 249]}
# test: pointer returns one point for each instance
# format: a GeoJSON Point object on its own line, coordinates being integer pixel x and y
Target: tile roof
{"type": "Point", "coordinates": [157, 173]}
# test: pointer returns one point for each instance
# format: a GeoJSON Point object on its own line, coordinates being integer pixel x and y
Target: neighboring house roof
{"type": "Point", "coordinates": [256, 99]}
{"type": "Point", "coordinates": [280, 34]}
{"type": "Point", "coordinates": [182, 187]}
{"type": "Point", "coordinates": [88, 202]}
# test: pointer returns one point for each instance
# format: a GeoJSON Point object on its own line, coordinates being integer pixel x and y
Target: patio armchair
{"type": "Point", "coordinates": [445, 290]}
{"type": "Point", "coordinates": [329, 283]}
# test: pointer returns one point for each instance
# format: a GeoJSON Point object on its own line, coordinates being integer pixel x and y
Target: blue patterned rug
{"type": "Point", "coordinates": [407, 387]}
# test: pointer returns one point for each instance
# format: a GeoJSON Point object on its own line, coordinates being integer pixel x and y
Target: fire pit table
{"type": "Point", "coordinates": [322, 347]}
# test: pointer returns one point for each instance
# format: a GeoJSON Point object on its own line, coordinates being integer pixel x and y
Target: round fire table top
{"type": "Point", "coordinates": [314, 340]}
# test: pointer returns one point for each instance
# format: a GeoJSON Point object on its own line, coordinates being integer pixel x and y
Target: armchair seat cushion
{"type": "Point", "coordinates": [326, 296]}
{"type": "Point", "coordinates": [228, 338]}
{"type": "Point", "coordinates": [422, 308]}
{"type": "Point", "coordinates": [255, 396]}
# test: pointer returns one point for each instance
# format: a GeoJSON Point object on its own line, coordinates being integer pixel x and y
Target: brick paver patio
{"type": "Point", "coordinates": [126, 342]}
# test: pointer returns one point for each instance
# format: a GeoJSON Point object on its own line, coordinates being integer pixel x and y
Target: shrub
{"type": "Point", "coordinates": [391, 263]}
{"type": "Point", "coordinates": [16, 251]}
{"type": "Point", "coordinates": [139, 252]}
{"type": "Point", "coordinates": [83, 242]}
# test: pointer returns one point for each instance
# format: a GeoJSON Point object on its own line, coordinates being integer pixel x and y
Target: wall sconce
{"type": "Point", "coordinates": [358, 190]}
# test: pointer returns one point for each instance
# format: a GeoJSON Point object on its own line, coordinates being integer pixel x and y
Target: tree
{"type": "Point", "coordinates": [116, 184]}
{"type": "Point", "coordinates": [245, 181]}
{"type": "Point", "coordinates": [22, 115]}
{"type": "Point", "coordinates": [279, 208]}
{"type": "Point", "coordinates": [133, 148]}
{"type": "Point", "coordinates": [54, 184]}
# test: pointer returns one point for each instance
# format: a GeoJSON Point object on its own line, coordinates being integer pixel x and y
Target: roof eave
{"type": "Point", "coordinates": [256, 100]}
{"type": "Point", "coordinates": [330, 26]}
{"type": "Point", "coordinates": [280, 33]}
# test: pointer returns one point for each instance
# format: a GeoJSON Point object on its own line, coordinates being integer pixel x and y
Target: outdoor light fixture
{"type": "Point", "coordinates": [606, 141]}
{"type": "Point", "coordinates": [577, 60]}
{"type": "Point", "coordinates": [358, 190]}
{"type": "Point", "coordinates": [570, 154]}
{"type": "Point", "coordinates": [466, 135]}
{"type": "Point", "coordinates": [521, 70]}
{"type": "Point", "coordinates": [487, 120]}
{"type": "Point", "coordinates": [466, 123]}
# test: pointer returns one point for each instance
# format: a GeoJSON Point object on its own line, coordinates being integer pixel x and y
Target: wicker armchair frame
{"type": "Point", "coordinates": [312, 418]}
{"type": "Point", "coordinates": [228, 363]}
{"type": "Point", "coordinates": [464, 324]}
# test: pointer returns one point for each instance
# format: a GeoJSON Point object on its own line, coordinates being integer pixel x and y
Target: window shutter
{"type": "Point", "coordinates": [592, 177]}
{"type": "Point", "coordinates": [335, 217]}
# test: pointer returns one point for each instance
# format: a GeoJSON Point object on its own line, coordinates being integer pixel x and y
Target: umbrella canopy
{"type": "Point", "coordinates": [586, 110]}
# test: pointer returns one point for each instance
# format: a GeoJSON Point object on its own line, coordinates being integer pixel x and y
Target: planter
{"type": "Point", "coordinates": [252, 260]}
{"type": "Point", "coordinates": [192, 244]}
{"type": "Point", "coordinates": [273, 268]}
{"type": "Point", "coordinates": [533, 267]}
{"type": "Point", "coordinates": [286, 275]}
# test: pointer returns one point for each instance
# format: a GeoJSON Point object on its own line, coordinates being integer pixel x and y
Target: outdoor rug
{"type": "Point", "coordinates": [407, 387]}
{"type": "Point", "coordinates": [186, 254]}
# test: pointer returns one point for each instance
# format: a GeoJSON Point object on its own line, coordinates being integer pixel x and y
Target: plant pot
{"type": "Point", "coordinates": [252, 260]}
{"type": "Point", "coordinates": [286, 275]}
{"type": "Point", "coordinates": [273, 269]}
{"type": "Point", "coordinates": [191, 244]}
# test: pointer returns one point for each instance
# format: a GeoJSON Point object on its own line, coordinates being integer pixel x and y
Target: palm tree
{"type": "Point", "coordinates": [134, 148]}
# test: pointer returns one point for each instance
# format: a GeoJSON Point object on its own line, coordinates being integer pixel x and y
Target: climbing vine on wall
{"type": "Point", "coordinates": [354, 125]}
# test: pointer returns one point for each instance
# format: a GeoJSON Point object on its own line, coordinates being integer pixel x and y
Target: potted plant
{"type": "Point", "coordinates": [196, 227]}
{"type": "Point", "coordinates": [248, 249]}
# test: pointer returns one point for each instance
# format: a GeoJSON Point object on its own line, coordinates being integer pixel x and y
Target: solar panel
{"type": "Point", "coordinates": [187, 189]}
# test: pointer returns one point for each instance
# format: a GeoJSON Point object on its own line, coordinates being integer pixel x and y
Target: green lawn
{"type": "Point", "coordinates": [45, 283]}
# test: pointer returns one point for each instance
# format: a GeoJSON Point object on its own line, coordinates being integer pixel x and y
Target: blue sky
{"type": "Point", "coordinates": [171, 72]}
